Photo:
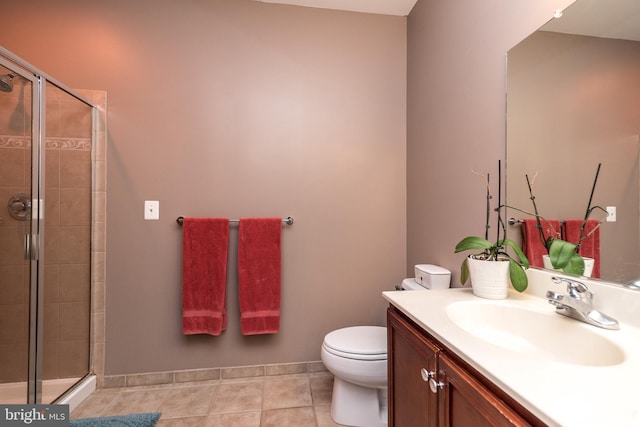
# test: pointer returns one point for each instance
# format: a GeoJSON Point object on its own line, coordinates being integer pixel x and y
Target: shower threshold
{"type": "Point", "coordinates": [15, 393]}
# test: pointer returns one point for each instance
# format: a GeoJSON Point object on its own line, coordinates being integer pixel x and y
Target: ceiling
{"type": "Point", "coordinates": [384, 7]}
{"type": "Point", "coordinates": [619, 19]}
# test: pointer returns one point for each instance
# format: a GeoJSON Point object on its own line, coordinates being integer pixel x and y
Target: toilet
{"type": "Point", "coordinates": [357, 357]}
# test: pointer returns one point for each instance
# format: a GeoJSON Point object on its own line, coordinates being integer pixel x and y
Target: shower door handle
{"type": "Point", "coordinates": [30, 247]}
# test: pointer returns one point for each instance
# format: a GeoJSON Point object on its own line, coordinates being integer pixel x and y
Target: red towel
{"type": "Point", "coordinates": [590, 246]}
{"type": "Point", "coordinates": [205, 243]}
{"type": "Point", "coordinates": [532, 246]}
{"type": "Point", "coordinates": [259, 275]}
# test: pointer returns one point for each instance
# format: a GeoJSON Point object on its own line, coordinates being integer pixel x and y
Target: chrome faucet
{"type": "Point", "coordinates": [578, 304]}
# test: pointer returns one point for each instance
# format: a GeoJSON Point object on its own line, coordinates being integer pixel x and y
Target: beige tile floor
{"type": "Point", "coordinates": [297, 400]}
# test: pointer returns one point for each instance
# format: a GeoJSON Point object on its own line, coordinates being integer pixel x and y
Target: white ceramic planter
{"type": "Point", "coordinates": [489, 279]}
{"type": "Point", "coordinates": [588, 265]}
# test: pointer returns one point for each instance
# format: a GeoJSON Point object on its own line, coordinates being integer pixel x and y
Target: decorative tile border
{"type": "Point", "coordinates": [75, 144]}
{"type": "Point", "coordinates": [12, 141]}
{"type": "Point", "coordinates": [209, 374]}
{"type": "Point", "coordinates": [51, 143]}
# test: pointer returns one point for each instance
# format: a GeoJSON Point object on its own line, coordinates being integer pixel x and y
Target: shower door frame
{"type": "Point", "coordinates": [35, 240]}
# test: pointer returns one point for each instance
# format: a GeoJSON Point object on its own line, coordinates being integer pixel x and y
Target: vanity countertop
{"type": "Point", "coordinates": [556, 389]}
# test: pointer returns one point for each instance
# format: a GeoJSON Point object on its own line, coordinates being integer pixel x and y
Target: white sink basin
{"type": "Point", "coordinates": [535, 333]}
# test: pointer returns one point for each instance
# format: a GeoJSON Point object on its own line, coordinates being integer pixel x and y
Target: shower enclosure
{"type": "Point", "coordinates": [46, 187]}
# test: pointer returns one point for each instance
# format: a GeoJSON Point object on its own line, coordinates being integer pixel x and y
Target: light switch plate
{"type": "Point", "coordinates": [611, 214]}
{"type": "Point", "coordinates": [151, 209]}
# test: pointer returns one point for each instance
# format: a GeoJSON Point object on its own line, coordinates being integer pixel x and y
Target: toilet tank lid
{"type": "Point", "coordinates": [358, 340]}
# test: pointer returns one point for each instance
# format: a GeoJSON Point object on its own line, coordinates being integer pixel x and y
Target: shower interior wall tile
{"type": "Point", "coordinates": [13, 170]}
{"type": "Point", "coordinates": [52, 168]}
{"type": "Point", "coordinates": [72, 277]}
{"type": "Point", "coordinates": [76, 123]}
{"type": "Point", "coordinates": [53, 112]}
{"type": "Point", "coordinates": [50, 363]}
{"type": "Point", "coordinates": [8, 104]}
{"type": "Point", "coordinates": [75, 169]}
{"type": "Point", "coordinates": [14, 273]}
{"type": "Point", "coordinates": [73, 325]}
{"type": "Point", "coordinates": [11, 247]}
{"type": "Point", "coordinates": [52, 207]}
{"type": "Point", "coordinates": [52, 246]}
{"type": "Point", "coordinates": [52, 279]}
{"type": "Point", "coordinates": [10, 275]}
{"type": "Point", "coordinates": [13, 106]}
{"type": "Point", "coordinates": [51, 340]}
{"type": "Point", "coordinates": [73, 358]}
{"type": "Point", "coordinates": [75, 206]}
{"type": "Point", "coordinates": [51, 323]}
{"type": "Point", "coordinates": [75, 245]}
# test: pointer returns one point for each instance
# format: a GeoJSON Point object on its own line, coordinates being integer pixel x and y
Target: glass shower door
{"type": "Point", "coordinates": [16, 267]}
{"type": "Point", "coordinates": [66, 299]}
{"type": "Point", "coordinates": [46, 188]}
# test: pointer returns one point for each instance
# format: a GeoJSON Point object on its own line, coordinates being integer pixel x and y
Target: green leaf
{"type": "Point", "coordinates": [473, 242]}
{"type": "Point", "coordinates": [464, 272]}
{"type": "Point", "coordinates": [575, 265]}
{"type": "Point", "coordinates": [513, 245]}
{"type": "Point", "coordinates": [561, 252]}
{"type": "Point", "coordinates": [518, 276]}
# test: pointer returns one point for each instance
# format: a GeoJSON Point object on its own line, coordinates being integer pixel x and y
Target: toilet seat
{"type": "Point", "coordinates": [358, 342]}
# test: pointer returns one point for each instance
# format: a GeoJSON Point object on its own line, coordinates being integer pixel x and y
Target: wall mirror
{"type": "Point", "coordinates": [573, 101]}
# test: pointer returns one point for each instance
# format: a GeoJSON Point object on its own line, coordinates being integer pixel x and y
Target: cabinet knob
{"type": "Point", "coordinates": [427, 375]}
{"type": "Point", "coordinates": [434, 385]}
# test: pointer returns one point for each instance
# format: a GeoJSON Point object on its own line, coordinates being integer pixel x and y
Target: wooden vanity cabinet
{"type": "Point", "coordinates": [411, 404]}
{"type": "Point", "coordinates": [462, 397]}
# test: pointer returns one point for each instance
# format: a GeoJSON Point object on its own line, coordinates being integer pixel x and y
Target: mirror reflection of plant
{"type": "Point", "coordinates": [495, 250]}
{"type": "Point", "coordinates": [562, 254]}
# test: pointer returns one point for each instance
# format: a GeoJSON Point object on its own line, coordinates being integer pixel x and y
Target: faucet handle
{"type": "Point", "coordinates": [573, 286]}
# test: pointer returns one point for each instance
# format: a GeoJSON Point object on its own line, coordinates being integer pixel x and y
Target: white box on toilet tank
{"type": "Point", "coordinates": [433, 276]}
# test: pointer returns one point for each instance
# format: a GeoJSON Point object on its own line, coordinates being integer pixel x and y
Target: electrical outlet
{"type": "Point", "coordinates": [611, 214]}
{"type": "Point", "coordinates": [151, 209]}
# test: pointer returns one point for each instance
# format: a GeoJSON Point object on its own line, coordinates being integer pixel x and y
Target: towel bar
{"type": "Point", "coordinates": [514, 221]}
{"type": "Point", "coordinates": [288, 220]}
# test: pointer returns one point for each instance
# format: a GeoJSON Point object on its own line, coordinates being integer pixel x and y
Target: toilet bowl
{"type": "Point", "coordinates": [357, 357]}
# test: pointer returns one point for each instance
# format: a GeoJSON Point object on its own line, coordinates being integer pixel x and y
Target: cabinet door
{"type": "Point", "coordinates": [411, 403]}
{"type": "Point", "coordinates": [465, 402]}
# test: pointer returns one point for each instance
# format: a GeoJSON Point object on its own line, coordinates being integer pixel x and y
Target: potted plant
{"type": "Point", "coordinates": [493, 255]}
{"type": "Point", "coordinates": [564, 255]}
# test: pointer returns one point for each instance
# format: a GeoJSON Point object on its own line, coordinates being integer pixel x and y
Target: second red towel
{"type": "Point", "coordinates": [259, 275]}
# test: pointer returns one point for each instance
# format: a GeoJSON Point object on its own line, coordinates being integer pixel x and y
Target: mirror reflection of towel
{"type": "Point", "coordinates": [590, 246]}
{"type": "Point", "coordinates": [259, 275]}
{"type": "Point", "coordinates": [532, 245]}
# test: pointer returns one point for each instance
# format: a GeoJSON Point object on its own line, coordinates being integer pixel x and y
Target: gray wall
{"type": "Point", "coordinates": [237, 108]}
{"type": "Point", "coordinates": [456, 116]}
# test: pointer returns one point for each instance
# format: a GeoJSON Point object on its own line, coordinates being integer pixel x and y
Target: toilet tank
{"type": "Point", "coordinates": [432, 276]}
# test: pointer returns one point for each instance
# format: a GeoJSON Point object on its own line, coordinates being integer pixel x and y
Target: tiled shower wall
{"type": "Point", "coordinates": [15, 170]}
{"type": "Point", "coordinates": [74, 258]}
{"type": "Point", "coordinates": [99, 230]}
